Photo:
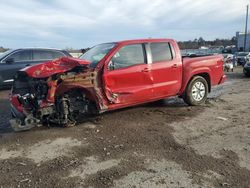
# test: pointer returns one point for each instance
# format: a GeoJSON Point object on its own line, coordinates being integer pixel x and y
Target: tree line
{"type": "Point", "coordinates": [197, 43]}
{"type": "Point", "coordinates": [2, 49]}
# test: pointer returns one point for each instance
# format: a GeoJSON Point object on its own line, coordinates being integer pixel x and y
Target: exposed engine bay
{"type": "Point", "coordinates": [63, 99]}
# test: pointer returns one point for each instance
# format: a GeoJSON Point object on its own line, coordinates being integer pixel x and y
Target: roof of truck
{"type": "Point", "coordinates": [145, 40]}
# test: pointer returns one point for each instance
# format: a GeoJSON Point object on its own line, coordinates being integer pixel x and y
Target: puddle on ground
{"type": "Point", "coordinates": [159, 174]}
{"type": "Point", "coordinates": [44, 150]}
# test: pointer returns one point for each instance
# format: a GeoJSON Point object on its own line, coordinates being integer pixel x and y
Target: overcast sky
{"type": "Point", "coordinates": [83, 23]}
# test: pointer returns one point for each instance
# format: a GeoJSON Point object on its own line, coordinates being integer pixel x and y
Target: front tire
{"type": "Point", "coordinates": [196, 91]}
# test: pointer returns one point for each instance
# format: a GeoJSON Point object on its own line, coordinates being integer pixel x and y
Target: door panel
{"type": "Point", "coordinates": [7, 71]}
{"type": "Point", "coordinates": [166, 70]}
{"type": "Point", "coordinates": [129, 85]}
{"type": "Point", "coordinates": [129, 81]}
{"type": "Point", "coordinates": [21, 59]}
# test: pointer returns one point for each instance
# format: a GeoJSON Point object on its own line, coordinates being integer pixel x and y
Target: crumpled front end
{"type": "Point", "coordinates": [29, 104]}
{"type": "Point", "coordinates": [43, 96]}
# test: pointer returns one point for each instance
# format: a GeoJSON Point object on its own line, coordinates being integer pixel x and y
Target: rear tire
{"type": "Point", "coordinates": [196, 91]}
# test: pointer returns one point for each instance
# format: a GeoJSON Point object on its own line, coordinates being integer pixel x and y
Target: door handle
{"type": "Point", "coordinates": [175, 66]}
{"type": "Point", "coordinates": [145, 70]}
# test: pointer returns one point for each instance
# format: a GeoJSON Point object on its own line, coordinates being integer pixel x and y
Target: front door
{"type": "Point", "coordinates": [127, 80]}
{"type": "Point", "coordinates": [12, 64]}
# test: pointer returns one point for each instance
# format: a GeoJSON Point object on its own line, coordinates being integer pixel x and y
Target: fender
{"type": "Point", "coordinates": [190, 73]}
{"type": "Point", "coordinates": [86, 82]}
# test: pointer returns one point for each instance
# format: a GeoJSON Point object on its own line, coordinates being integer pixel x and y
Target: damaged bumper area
{"type": "Point", "coordinates": [28, 107]}
{"type": "Point", "coordinates": [62, 97]}
{"type": "Point", "coordinates": [29, 123]}
{"type": "Point", "coordinates": [21, 122]}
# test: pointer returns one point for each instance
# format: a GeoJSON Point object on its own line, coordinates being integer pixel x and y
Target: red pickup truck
{"type": "Point", "coordinates": [107, 77]}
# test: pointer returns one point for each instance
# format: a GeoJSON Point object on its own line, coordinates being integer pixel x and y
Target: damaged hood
{"type": "Point", "coordinates": [56, 66]}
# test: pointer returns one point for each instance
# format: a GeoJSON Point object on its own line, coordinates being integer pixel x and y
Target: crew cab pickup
{"type": "Point", "coordinates": [107, 77]}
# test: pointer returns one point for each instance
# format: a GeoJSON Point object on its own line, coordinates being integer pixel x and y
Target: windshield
{"type": "Point", "coordinates": [5, 53]}
{"type": "Point", "coordinates": [95, 54]}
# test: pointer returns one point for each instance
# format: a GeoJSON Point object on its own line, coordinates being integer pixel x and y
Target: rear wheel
{"type": "Point", "coordinates": [196, 91]}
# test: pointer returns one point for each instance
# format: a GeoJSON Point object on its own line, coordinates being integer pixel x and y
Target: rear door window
{"type": "Point", "coordinates": [46, 55]}
{"type": "Point", "coordinates": [161, 52]}
{"type": "Point", "coordinates": [42, 55]}
{"type": "Point", "coordinates": [23, 55]}
{"type": "Point", "coordinates": [57, 54]}
{"type": "Point", "coordinates": [128, 56]}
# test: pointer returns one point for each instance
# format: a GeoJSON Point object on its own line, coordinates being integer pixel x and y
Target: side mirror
{"type": "Point", "coordinates": [9, 60]}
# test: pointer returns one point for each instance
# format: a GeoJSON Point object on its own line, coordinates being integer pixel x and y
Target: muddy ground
{"type": "Point", "coordinates": [162, 144]}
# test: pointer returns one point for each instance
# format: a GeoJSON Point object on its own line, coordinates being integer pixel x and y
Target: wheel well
{"type": "Point", "coordinates": [80, 90]}
{"type": "Point", "coordinates": [206, 77]}
{"type": "Point", "coordinates": [88, 95]}
{"type": "Point", "coordinates": [77, 90]}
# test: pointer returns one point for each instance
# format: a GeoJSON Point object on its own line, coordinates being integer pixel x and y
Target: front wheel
{"type": "Point", "coordinates": [196, 91]}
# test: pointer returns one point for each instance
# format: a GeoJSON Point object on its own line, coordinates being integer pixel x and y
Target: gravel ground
{"type": "Point", "coordinates": [161, 144]}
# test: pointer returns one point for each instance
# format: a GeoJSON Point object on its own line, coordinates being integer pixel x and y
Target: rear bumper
{"type": "Point", "coordinates": [223, 79]}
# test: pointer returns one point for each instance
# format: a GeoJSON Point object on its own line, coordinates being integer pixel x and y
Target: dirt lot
{"type": "Point", "coordinates": [162, 144]}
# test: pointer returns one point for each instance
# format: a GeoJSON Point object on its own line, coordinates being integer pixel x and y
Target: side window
{"type": "Point", "coordinates": [24, 55]}
{"type": "Point", "coordinates": [161, 51]}
{"type": "Point", "coordinates": [56, 54]}
{"type": "Point", "coordinates": [43, 55]}
{"type": "Point", "coordinates": [127, 56]}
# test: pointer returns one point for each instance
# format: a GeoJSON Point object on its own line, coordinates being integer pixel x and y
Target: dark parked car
{"type": "Point", "coordinates": [13, 60]}
{"type": "Point", "coordinates": [242, 57]}
{"type": "Point", "coordinates": [246, 69]}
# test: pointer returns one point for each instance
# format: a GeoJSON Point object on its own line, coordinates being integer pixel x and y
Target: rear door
{"type": "Point", "coordinates": [166, 69]}
{"type": "Point", "coordinates": [127, 80]}
{"type": "Point", "coordinates": [12, 63]}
